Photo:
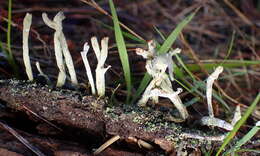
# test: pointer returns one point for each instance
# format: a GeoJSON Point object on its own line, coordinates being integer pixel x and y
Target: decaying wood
{"type": "Point", "coordinates": [90, 116]}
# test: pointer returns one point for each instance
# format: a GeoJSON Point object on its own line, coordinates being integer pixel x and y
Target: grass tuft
{"type": "Point", "coordinates": [8, 51]}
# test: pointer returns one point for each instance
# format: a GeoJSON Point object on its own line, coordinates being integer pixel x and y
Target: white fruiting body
{"type": "Point", "coordinates": [210, 82]}
{"type": "Point", "coordinates": [41, 72]}
{"type": "Point", "coordinates": [87, 67]}
{"type": "Point", "coordinates": [160, 86]}
{"type": "Point", "coordinates": [237, 115]}
{"type": "Point", "coordinates": [211, 120]}
{"type": "Point", "coordinates": [101, 58]}
{"type": "Point", "coordinates": [61, 49]}
{"type": "Point", "coordinates": [27, 21]}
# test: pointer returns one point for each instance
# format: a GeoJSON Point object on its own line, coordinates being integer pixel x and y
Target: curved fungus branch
{"type": "Point", "coordinates": [27, 21]}
{"type": "Point", "coordinates": [87, 67]}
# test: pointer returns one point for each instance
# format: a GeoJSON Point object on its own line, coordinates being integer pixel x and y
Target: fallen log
{"type": "Point", "coordinates": [95, 121]}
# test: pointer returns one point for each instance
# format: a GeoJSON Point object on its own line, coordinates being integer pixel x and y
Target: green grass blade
{"type": "Point", "coordinates": [249, 150]}
{"type": "Point", "coordinates": [202, 86]}
{"type": "Point", "coordinates": [239, 124]}
{"type": "Point", "coordinates": [9, 53]}
{"type": "Point", "coordinates": [192, 101]}
{"type": "Point", "coordinates": [230, 47]}
{"type": "Point", "coordinates": [245, 139]}
{"type": "Point", "coordinates": [163, 49]}
{"type": "Point", "coordinates": [174, 34]}
{"type": "Point", "coordinates": [121, 49]}
{"type": "Point", "coordinates": [178, 58]}
{"type": "Point", "coordinates": [226, 64]}
{"type": "Point", "coordinates": [145, 81]}
{"type": "Point", "coordinates": [220, 99]}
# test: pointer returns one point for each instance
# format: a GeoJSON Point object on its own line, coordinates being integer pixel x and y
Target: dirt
{"type": "Point", "coordinates": [87, 122]}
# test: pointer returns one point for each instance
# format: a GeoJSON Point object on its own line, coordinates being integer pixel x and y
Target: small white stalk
{"type": "Point", "coordinates": [211, 120]}
{"type": "Point", "coordinates": [210, 82]}
{"type": "Point", "coordinates": [39, 68]}
{"type": "Point", "coordinates": [41, 72]}
{"type": "Point", "coordinates": [257, 123]}
{"type": "Point", "coordinates": [26, 58]}
{"type": "Point", "coordinates": [237, 115]}
{"type": "Point", "coordinates": [87, 67]}
{"type": "Point", "coordinates": [61, 49]}
{"type": "Point", "coordinates": [101, 58]}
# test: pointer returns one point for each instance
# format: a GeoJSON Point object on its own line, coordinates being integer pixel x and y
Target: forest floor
{"type": "Point", "coordinates": [44, 120]}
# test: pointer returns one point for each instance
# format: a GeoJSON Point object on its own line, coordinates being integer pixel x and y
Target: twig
{"type": "Point", "coordinates": [239, 13]}
{"type": "Point", "coordinates": [106, 144]}
{"type": "Point", "coordinates": [96, 6]}
{"type": "Point", "coordinates": [22, 139]}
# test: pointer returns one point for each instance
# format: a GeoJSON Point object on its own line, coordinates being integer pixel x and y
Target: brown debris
{"type": "Point", "coordinates": [8, 153]}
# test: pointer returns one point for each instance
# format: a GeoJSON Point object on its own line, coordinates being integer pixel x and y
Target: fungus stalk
{"type": "Point", "coordinates": [87, 67]}
{"type": "Point", "coordinates": [210, 82]}
{"type": "Point", "coordinates": [41, 72]}
{"type": "Point", "coordinates": [237, 115]}
{"type": "Point", "coordinates": [160, 86]}
{"type": "Point", "coordinates": [101, 58]}
{"type": "Point", "coordinates": [26, 29]}
{"type": "Point", "coordinates": [68, 59]}
{"type": "Point", "coordinates": [211, 120]}
{"type": "Point", "coordinates": [61, 49]}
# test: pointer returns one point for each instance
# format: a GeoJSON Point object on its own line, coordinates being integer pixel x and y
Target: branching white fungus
{"type": "Point", "coordinates": [175, 99]}
{"type": "Point", "coordinates": [160, 86]}
{"type": "Point", "coordinates": [27, 21]}
{"type": "Point", "coordinates": [88, 70]}
{"type": "Point", "coordinates": [61, 49]}
{"type": "Point", "coordinates": [101, 58]}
